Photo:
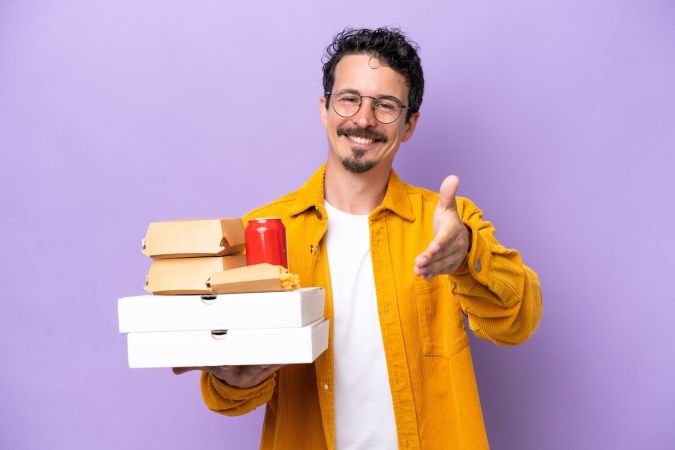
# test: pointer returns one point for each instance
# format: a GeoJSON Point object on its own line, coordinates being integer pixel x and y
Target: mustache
{"type": "Point", "coordinates": [366, 133]}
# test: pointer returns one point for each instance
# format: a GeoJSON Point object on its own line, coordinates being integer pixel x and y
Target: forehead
{"type": "Point", "coordinates": [369, 76]}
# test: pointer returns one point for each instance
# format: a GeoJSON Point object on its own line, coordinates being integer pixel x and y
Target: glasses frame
{"type": "Point", "coordinates": [372, 106]}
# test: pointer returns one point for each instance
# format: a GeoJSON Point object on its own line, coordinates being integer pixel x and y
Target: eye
{"type": "Point", "coordinates": [349, 99]}
{"type": "Point", "coordinates": [385, 105]}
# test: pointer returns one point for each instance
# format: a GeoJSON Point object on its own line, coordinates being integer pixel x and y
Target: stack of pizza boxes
{"type": "Point", "coordinates": [207, 308]}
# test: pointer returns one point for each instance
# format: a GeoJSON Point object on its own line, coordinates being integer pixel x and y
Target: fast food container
{"type": "Point", "coordinates": [230, 329]}
{"type": "Point", "coordinates": [228, 347]}
{"type": "Point", "coordinates": [193, 238]}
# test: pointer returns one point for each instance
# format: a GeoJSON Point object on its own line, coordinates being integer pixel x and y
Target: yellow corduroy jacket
{"type": "Point", "coordinates": [436, 403]}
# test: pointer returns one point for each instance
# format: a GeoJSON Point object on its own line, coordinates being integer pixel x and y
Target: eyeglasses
{"type": "Point", "coordinates": [385, 109]}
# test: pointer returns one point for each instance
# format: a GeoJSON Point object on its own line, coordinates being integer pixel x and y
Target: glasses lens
{"type": "Point", "coordinates": [386, 110]}
{"type": "Point", "coordinates": [346, 105]}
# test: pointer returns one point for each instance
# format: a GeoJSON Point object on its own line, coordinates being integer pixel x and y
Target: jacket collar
{"type": "Point", "coordinates": [311, 195]}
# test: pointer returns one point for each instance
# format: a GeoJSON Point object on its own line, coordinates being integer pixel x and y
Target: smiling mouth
{"type": "Point", "coordinates": [360, 140]}
{"type": "Point", "coordinates": [362, 136]}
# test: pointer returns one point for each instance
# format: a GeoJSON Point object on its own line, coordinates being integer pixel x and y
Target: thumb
{"type": "Point", "coordinates": [182, 370]}
{"type": "Point", "coordinates": [448, 192]}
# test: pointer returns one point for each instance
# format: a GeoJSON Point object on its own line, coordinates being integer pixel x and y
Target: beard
{"type": "Point", "coordinates": [356, 162]}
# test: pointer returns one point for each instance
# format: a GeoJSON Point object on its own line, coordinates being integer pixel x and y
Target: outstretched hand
{"type": "Point", "coordinates": [452, 238]}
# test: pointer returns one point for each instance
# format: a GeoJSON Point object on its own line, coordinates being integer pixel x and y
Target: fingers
{"type": "Point", "coordinates": [443, 265]}
{"type": "Point", "coordinates": [182, 370]}
{"type": "Point", "coordinates": [434, 252]}
{"type": "Point", "coordinates": [254, 375]}
{"type": "Point", "coordinates": [271, 368]}
{"type": "Point", "coordinates": [237, 376]}
{"type": "Point", "coordinates": [441, 246]}
{"type": "Point", "coordinates": [243, 376]}
{"type": "Point", "coordinates": [448, 192]}
{"type": "Point", "coordinates": [445, 253]}
{"type": "Point", "coordinates": [265, 372]}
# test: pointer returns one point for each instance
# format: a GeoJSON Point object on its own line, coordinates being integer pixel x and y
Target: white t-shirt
{"type": "Point", "coordinates": [364, 411]}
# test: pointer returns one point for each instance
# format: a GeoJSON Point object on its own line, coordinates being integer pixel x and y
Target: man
{"type": "Point", "coordinates": [401, 266]}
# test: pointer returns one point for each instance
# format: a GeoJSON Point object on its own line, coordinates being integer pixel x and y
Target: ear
{"type": "Point", "coordinates": [323, 112]}
{"type": "Point", "coordinates": [410, 127]}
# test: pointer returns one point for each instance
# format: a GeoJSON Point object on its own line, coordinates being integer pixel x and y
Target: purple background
{"type": "Point", "coordinates": [559, 116]}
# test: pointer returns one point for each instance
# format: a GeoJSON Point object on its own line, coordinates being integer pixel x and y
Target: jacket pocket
{"type": "Point", "coordinates": [440, 318]}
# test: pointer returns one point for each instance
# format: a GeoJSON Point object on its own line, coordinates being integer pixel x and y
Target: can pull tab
{"type": "Point", "coordinates": [143, 244]}
{"type": "Point", "coordinates": [218, 335]}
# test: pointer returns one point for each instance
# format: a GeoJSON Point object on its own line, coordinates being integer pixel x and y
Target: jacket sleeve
{"type": "Point", "coordinates": [232, 401]}
{"type": "Point", "coordinates": [499, 294]}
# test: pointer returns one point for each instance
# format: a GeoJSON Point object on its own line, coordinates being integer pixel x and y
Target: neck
{"type": "Point", "coordinates": [355, 193]}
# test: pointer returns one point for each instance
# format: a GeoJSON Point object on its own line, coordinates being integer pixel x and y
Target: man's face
{"type": "Point", "coordinates": [361, 142]}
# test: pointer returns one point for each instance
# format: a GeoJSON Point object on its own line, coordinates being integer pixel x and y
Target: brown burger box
{"type": "Point", "coordinates": [179, 276]}
{"type": "Point", "coordinates": [192, 238]}
{"type": "Point", "coordinates": [256, 278]}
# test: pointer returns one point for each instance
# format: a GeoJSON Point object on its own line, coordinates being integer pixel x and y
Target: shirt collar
{"type": "Point", "coordinates": [311, 195]}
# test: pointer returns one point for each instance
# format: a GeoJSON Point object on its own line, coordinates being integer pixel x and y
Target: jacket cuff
{"type": "Point", "coordinates": [220, 396]}
{"type": "Point", "coordinates": [479, 259]}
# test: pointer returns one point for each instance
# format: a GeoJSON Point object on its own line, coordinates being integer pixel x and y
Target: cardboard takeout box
{"type": "Point", "coordinates": [187, 275]}
{"type": "Point", "coordinates": [191, 238]}
{"type": "Point", "coordinates": [256, 278]}
{"type": "Point", "coordinates": [228, 347]}
{"type": "Point", "coordinates": [147, 313]}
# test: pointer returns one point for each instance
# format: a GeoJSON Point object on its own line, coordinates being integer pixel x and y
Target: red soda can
{"type": "Point", "coordinates": [266, 242]}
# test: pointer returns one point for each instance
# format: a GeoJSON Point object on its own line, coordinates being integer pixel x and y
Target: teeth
{"type": "Point", "coordinates": [360, 140]}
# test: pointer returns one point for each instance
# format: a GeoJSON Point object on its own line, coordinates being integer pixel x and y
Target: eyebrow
{"type": "Point", "coordinates": [379, 97]}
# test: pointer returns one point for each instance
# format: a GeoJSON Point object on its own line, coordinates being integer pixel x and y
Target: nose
{"type": "Point", "coordinates": [365, 117]}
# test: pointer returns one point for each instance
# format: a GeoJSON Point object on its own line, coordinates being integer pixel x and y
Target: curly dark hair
{"type": "Point", "coordinates": [388, 44]}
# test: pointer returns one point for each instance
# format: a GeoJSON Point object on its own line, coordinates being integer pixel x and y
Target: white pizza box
{"type": "Point", "coordinates": [146, 313]}
{"type": "Point", "coordinates": [228, 347]}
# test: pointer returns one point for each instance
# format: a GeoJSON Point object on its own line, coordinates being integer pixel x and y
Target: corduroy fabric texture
{"type": "Point", "coordinates": [436, 402]}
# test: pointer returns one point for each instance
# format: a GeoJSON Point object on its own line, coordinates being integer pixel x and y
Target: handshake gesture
{"type": "Point", "coordinates": [452, 239]}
